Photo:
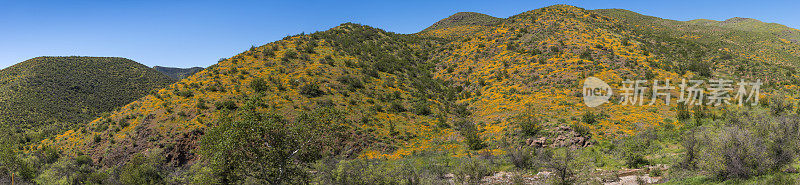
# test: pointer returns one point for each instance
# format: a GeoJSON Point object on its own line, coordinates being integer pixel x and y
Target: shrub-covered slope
{"type": "Point", "coordinates": [177, 73]}
{"type": "Point", "coordinates": [48, 95]}
{"type": "Point", "coordinates": [445, 90]}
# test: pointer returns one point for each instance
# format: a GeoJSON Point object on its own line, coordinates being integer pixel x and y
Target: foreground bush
{"type": "Point", "coordinates": [743, 145]}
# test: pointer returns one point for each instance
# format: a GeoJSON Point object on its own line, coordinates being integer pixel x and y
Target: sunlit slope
{"type": "Point", "coordinates": [382, 80]}
{"type": "Point", "coordinates": [404, 94]}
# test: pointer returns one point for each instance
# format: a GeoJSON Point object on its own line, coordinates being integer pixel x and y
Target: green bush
{"type": "Point", "coordinates": [471, 170]}
{"type": "Point", "coordinates": [141, 169]}
{"type": "Point", "coordinates": [227, 104]}
{"type": "Point", "coordinates": [311, 90]}
{"type": "Point", "coordinates": [633, 149]}
{"type": "Point", "coordinates": [528, 124]}
{"type": "Point", "coordinates": [469, 131]}
{"type": "Point", "coordinates": [745, 144]}
{"type": "Point", "coordinates": [264, 148]}
{"type": "Point", "coordinates": [259, 85]}
{"type": "Point", "coordinates": [79, 170]}
{"type": "Point", "coordinates": [522, 158]}
{"type": "Point", "coordinates": [562, 162]}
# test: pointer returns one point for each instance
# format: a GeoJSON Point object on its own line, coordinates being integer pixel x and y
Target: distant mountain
{"type": "Point", "coordinates": [462, 23]}
{"type": "Point", "coordinates": [177, 73]}
{"type": "Point", "coordinates": [46, 95]}
{"type": "Point", "coordinates": [465, 19]}
{"type": "Point", "coordinates": [753, 25]}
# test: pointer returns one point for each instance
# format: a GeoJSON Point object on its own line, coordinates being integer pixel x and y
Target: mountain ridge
{"type": "Point", "coordinates": [456, 90]}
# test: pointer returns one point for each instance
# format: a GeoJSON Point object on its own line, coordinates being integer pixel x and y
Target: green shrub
{"type": "Point", "coordinates": [141, 169]}
{"type": "Point", "coordinates": [71, 171]}
{"type": "Point", "coordinates": [521, 158]}
{"type": "Point", "coordinates": [421, 108]}
{"type": "Point", "coordinates": [472, 170]}
{"type": "Point", "coordinates": [633, 149]}
{"type": "Point", "coordinates": [744, 145]}
{"type": "Point", "coordinates": [656, 172]}
{"type": "Point", "coordinates": [778, 106]}
{"type": "Point", "coordinates": [469, 131]}
{"type": "Point", "coordinates": [264, 148]}
{"type": "Point", "coordinates": [396, 107]}
{"type": "Point", "coordinates": [185, 93]}
{"type": "Point", "coordinates": [562, 162]}
{"type": "Point", "coordinates": [201, 104]}
{"type": "Point", "coordinates": [227, 104]}
{"type": "Point", "coordinates": [259, 85]}
{"type": "Point", "coordinates": [528, 124]}
{"type": "Point", "coordinates": [311, 90]}
{"type": "Point", "coordinates": [683, 112]}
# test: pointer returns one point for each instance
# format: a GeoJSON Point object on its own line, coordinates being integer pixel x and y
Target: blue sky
{"type": "Point", "coordinates": [184, 33]}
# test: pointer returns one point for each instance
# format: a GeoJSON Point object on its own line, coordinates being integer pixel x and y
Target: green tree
{"type": "Point", "coordinates": [266, 148]}
{"type": "Point", "coordinates": [469, 131]}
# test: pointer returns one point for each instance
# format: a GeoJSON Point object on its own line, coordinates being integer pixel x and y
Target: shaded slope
{"type": "Point", "coordinates": [47, 95]}
{"type": "Point", "coordinates": [177, 73]}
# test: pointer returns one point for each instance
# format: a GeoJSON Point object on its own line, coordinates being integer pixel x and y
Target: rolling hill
{"type": "Point", "coordinates": [48, 95]}
{"type": "Point", "coordinates": [467, 85]}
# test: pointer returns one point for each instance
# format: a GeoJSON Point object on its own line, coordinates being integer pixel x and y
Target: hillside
{"type": "Point", "coordinates": [462, 23]}
{"type": "Point", "coordinates": [470, 85]}
{"type": "Point", "coordinates": [177, 73]}
{"type": "Point", "coordinates": [48, 95]}
{"type": "Point", "coordinates": [753, 25]}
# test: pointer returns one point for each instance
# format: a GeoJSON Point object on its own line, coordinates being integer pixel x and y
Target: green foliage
{"type": "Point", "coordinates": [421, 108]}
{"type": "Point", "coordinates": [528, 124]}
{"type": "Point", "coordinates": [562, 162]}
{"type": "Point", "coordinates": [266, 148]}
{"type": "Point", "coordinates": [226, 105]}
{"type": "Point", "coordinates": [10, 163]}
{"type": "Point", "coordinates": [590, 118]}
{"type": "Point", "coordinates": [683, 112]}
{"type": "Point", "coordinates": [48, 95]}
{"type": "Point", "coordinates": [778, 106]}
{"type": "Point", "coordinates": [464, 18]}
{"type": "Point", "coordinates": [311, 90]}
{"type": "Point", "coordinates": [71, 171]}
{"type": "Point", "coordinates": [142, 169]}
{"type": "Point", "coordinates": [259, 85]}
{"type": "Point", "coordinates": [184, 93]}
{"type": "Point", "coordinates": [178, 73]}
{"type": "Point", "coordinates": [471, 170]}
{"type": "Point", "coordinates": [352, 83]}
{"type": "Point", "coordinates": [397, 107]}
{"type": "Point", "coordinates": [469, 131]}
{"type": "Point", "coordinates": [201, 104]}
{"type": "Point", "coordinates": [633, 150]}
{"type": "Point", "coordinates": [522, 158]}
{"type": "Point", "coordinates": [743, 145]}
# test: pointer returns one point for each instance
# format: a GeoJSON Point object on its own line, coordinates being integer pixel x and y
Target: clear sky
{"type": "Point", "coordinates": [185, 33]}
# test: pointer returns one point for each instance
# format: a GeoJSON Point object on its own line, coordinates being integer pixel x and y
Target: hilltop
{"type": "Point", "coordinates": [48, 95]}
